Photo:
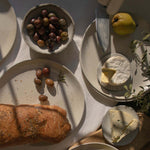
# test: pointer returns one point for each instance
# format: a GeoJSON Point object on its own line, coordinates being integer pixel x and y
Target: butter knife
{"type": "Point", "coordinates": [102, 27]}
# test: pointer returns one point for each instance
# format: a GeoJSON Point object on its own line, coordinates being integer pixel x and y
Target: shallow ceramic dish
{"type": "Point", "coordinates": [61, 13]}
{"type": "Point", "coordinates": [92, 56]}
{"type": "Point", "coordinates": [8, 28]}
{"type": "Point", "coordinates": [17, 87]}
{"type": "Point", "coordinates": [106, 126]}
{"type": "Point", "coordinates": [94, 146]}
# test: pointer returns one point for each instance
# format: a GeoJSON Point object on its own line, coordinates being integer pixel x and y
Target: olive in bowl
{"type": "Point", "coordinates": [48, 28]}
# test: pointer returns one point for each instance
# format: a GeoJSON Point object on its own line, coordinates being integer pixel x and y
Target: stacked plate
{"type": "Point", "coordinates": [92, 59]}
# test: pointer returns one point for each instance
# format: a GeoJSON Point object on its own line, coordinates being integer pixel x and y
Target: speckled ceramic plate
{"type": "Point", "coordinates": [17, 87]}
{"type": "Point", "coordinates": [8, 28]}
{"type": "Point", "coordinates": [106, 126]}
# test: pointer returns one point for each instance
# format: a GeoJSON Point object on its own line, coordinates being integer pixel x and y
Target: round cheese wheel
{"type": "Point", "coordinates": [115, 71]}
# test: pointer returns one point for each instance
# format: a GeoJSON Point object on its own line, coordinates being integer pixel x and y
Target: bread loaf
{"type": "Point", "coordinates": [24, 124]}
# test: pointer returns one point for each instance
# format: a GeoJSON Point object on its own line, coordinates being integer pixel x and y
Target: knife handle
{"type": "Point", "coordinates": [113, 6]}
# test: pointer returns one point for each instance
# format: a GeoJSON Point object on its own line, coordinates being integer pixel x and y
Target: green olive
{"type": "Point", "coordinates": [51, 15]}
{"type": "Point", "coordinates": [64, 36]}
{"type": "Point", "coordinates": [45, 21]}
{"type": "Point", "coordinates": [30, 27]}
{"type": "Point", "coordinates": [62, 22]}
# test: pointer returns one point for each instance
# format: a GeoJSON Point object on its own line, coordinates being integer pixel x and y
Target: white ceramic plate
{"type": "Point", "coordinates": [94, 146]}
{"type": "Point", "coordinates": [8, 28]}
{"type": "Point", "coordinates": [17, 87]}
{"type": "Point", "coordinates": [106, 126]}
{"type": "Point", "coordinates": [92, 55]}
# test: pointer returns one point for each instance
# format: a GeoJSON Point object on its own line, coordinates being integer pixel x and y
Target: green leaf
{"type": "Point", "coordinates": [127, 95]}
{"type": "Point", "coordinates": [130, 87]}
{"type": "Point", "coordinates": [141, 87]}
{"type": "Point", "coordinates": [144, 57]}
{"type": "Point", "coordinates": [142, 98]}
{"type": "Point", "coordinates": [145, 38]}
{"type": "Point", "coordinates": [125, 87]}
{"type": "Point", "coordinates": [61, 77]}
{"type": "Point", "coordinates": [133, 44]}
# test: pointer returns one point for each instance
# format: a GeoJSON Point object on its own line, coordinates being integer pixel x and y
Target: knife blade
{"type": "Point", "coordinates": [102, 27]}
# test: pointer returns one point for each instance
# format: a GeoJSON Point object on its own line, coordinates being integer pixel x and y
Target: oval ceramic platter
{"type": "Point", "coordinates": [94, 146]}
{"type": "Point", "coordinates": [8, 28]}
{"type": "Point", "coordinates": [92, 56]}
{"type": "Point", "coordinates": [17, 87]}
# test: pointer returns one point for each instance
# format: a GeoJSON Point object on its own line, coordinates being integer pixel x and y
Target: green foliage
{"type": "Point", "coordinates": [61, 77]}
{"type": "Point", "coordinates": [142, 99]}
{"type": "Point", "coordinates": [129, 91]}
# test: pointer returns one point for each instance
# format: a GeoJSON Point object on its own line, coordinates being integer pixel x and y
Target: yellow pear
{"type": "Point", "coordinates": [123, 24]}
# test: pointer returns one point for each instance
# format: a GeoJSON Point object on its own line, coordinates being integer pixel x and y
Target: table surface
{"type": "Point", "coordinates": [83, 13]}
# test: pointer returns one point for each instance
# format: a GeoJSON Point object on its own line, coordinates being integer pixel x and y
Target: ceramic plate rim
{"type": "Point", "coordinates": [51, 63]}
{"type": "Point", "coordinates": [93, 144]}
{"type": "Point", "coordinates": [14, 36]}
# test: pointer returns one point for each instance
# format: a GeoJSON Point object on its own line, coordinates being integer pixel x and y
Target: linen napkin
{"type": "Point", "coordinates": [112, 6]}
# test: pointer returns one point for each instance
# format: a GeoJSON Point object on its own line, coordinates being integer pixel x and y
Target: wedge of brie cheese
{"type": "Point", "coordinates": [106, 75]}
{"type": "Point", "coordinates": [115, 71]}
{"type": "Point", "coordinates": [122, 124]}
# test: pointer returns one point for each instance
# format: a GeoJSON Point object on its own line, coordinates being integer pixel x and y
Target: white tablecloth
{"type": "Point", "coordinates": [83, 13]}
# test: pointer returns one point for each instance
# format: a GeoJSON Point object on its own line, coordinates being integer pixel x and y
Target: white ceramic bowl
{"type": "Point", "coordinates": [61, 13]}
{"type": "Point", "coordinates": [93, 146]}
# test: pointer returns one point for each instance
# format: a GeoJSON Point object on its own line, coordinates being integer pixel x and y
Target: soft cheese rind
{"type": "Point", "coordinates": [122, 124]}
{"type": "Point", "coordinates": [122, 68]}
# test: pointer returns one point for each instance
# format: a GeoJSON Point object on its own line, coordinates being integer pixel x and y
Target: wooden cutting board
{"type": "Point", "coordinates": [141, 142]}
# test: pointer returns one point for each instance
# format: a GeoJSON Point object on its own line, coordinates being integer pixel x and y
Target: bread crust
{"type": "Point", "coordinates": [24, 124]}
